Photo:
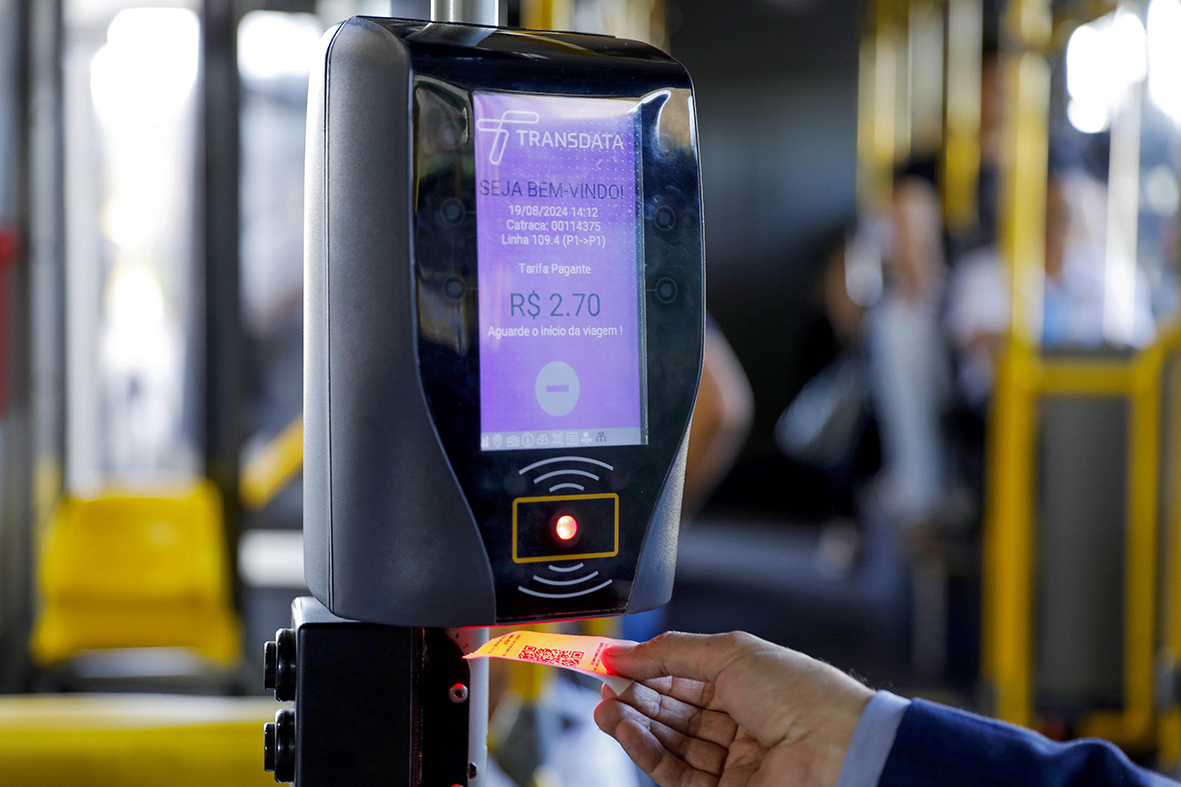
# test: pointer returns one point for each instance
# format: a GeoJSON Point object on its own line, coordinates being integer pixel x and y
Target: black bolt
{"type": "Point", "coordinates": [452, 133]}
{"type": "Point", "coordinates": [666, 290]}
{"type": "Point", "coordinates": [279, 746]}
{"type": "Point", "coordinates": [665, 218]}
{"type": "Point", "coordinates": [279, 665]}
{"type": "Point", "coordinates": [270, 664]}
{"type": "Point", "coordinates": [268, 746]}
{"type": "Point", "coordinates": [451, 212]}
{"type": "Point", "coordinates": [454, 288]}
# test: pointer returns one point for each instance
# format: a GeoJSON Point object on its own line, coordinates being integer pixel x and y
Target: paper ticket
{"type": "Point", "coordinates": [568, 651]}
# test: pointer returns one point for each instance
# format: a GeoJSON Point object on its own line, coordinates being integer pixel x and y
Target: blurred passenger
{"type": "Point", "coordinates": [909, 373]}
{"type": "Point", "coordinates": [882, 291]}
{"type": "Point", "coordinates": [828, 427]}
{"type": "Point", "coordinates": [1166, 284]}
{"type": "Point", "coordinates": [721, 421]}
{"type": "Point", "coordinates": [1072, 316]}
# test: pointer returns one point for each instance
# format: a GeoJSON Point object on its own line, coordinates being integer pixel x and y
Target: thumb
{"type": "Point", "coordinates": [700, 657]}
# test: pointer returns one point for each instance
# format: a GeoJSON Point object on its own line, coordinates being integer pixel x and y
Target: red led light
{"type": "Point", "coordinates": [566, 527]}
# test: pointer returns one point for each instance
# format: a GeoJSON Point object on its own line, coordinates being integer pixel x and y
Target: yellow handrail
{"type": "Point", "coordinates": [1024, 379]}
{"type": "Point", "coordinates": [269, 471]}
{"type": "Point", "coordinates": [146, 740]}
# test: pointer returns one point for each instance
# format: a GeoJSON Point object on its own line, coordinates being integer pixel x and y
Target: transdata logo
{"type": "Point", "coordinates": [498, 126]}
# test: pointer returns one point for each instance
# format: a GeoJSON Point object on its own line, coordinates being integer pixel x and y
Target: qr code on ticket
{"type": "Point", "coordinates": [561, 658]}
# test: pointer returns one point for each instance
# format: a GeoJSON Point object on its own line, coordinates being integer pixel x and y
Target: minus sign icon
{"type": "Point", "coordinates": [557, 389]}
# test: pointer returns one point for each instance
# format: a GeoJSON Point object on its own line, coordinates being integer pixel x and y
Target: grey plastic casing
{"type": "Point", "coordinates": [389, 536]}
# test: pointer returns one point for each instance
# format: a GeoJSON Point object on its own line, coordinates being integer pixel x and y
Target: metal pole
{"type": "Point", "coordinates": [220, 233]}
{"type": "Point", "coordinates": [474, 12]}
{"type": "Point", "coordinates": [46, 255]}
{"type": "Point", "coordinates": [17, 44]}
{"type": "Point", "coordinates": [477, 742]}
{"type": "Point", "coordinates": [1123, 214]}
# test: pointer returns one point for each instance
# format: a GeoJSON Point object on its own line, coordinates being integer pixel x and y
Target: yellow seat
{"type": "Point", "coordinates": [135, 571]}
{"type": "Point", "coordinates": [114, 740]}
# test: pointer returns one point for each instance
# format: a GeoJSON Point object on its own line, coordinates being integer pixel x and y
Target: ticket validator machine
{"type": "Point", "coordinates": [504, 313]}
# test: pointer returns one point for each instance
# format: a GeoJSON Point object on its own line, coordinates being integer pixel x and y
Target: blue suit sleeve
{"type": "Point", "coordinates": [935, 745]}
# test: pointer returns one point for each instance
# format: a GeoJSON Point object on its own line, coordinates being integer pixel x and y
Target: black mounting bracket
{"type": "Point", "coordinates": [373, 704]}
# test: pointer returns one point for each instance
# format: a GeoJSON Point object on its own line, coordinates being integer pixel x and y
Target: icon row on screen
{"type": "Point", "coordinates": [541, 439]}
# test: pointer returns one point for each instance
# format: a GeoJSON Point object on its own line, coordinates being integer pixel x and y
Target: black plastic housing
{"type": "Point", "coordinates": [373, 705]}
{"type": "Point", "coordinates": [406, 521]}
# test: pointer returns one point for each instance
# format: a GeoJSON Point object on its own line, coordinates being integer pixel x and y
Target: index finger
{"type": "Point", "coordinates": [700, 657]}
{"type": "Point", "coordinates": [693, 692]}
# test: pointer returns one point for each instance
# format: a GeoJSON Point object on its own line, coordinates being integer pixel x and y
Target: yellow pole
{"type": "Point", "coordinates": [1008, 539]}
{"type": "Point", "coordinates": [901, 44]}
{"type": "Point", "coordinates": [870, 194]}
{"type": "Point", "coordinates": [546, 14]}
{"type": "Point", "coordinates": [1169, 732]}
{"type": "Point", "coordinates": [1009, 506]}
{"type": "Point", "coordinates": [886, 53]}
{"type": "Point", "coordinates": [877, 107]}
{"type": "Point", "coordinates": [925, 56]}
{"type": "Point", "coordinates": [1140, 552]}
{"type": "Point", "coordinates": [658, 25]}
{"type": "Point", "coordinates": [961, 140]}
{"type": "Point", "coordinates": [1023, 211]}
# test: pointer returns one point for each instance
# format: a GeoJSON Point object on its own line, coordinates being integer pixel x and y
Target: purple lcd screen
{"type": "Point", "coordinates": [560, 259]}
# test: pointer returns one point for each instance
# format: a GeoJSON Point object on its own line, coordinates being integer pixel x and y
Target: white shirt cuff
{"type": "Point", "coordinates": [872, 740]}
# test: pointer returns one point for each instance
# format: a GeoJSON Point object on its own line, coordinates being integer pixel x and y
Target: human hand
{"type": "Point", "coordinates": [731, 710]}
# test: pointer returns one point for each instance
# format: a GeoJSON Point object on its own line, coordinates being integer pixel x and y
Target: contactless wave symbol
{"type": "Point", "coordinates": [498, 126]}
{"type": "Point", "coordinates": [566, 478]}
{"type": "Point", "coordinates": [550, 473]}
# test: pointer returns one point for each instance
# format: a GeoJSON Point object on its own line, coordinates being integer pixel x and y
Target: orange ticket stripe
{"type": "Point", "coordinates": [568, 651]}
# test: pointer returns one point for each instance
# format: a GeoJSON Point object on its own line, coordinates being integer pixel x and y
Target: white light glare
{"type": "Point", "coordinates": [1164, 56]}
{"type": "Point", "coordinates": [1128, 40]}
{"type": "Point", "coordinates": [1087, 118]}
{"type": "Point", "coordinates": [273, 44]}
{"type": "Point", "coordinates": [1161, 192]}
{"type": "Point", "coordinates": [134, 298]}
{"type": "Point", "coordinates": [148, 67]}
{"type": "Point", "coordinates": [1103, 60]}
